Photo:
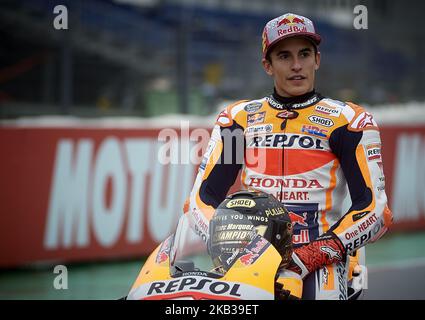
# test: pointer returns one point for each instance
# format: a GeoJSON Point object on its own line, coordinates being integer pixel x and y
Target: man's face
{"type": "Point", "coordinates": [293, 64]}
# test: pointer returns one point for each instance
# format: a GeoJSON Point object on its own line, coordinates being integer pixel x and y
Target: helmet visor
{"type": "Point", "coordinates": [230, 233]}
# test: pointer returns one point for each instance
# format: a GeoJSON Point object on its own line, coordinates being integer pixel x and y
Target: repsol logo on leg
{"type": "Point", "coordinates": [363, 237]}
{"type": "Point", "coordinates": [194, 283]}
{"type": "Point", "coordinates": [277, 140]}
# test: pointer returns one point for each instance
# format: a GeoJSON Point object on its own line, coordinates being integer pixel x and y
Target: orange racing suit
{"type": "Point", "coordinates": [309, 152]}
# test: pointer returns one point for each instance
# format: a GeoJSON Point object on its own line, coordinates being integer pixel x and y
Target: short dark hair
{"type": "Point", "coordinates": [271, 49]}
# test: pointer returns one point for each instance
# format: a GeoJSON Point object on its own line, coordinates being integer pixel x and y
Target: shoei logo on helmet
{"type": "Point", "coordinates": [246, 203]}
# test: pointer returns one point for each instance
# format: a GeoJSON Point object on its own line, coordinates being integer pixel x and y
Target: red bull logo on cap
{"type": "Point", "coordinates": [291, 29]}
{"type": "Point", "coordinates": [290, 20]}
{"type": "Point", "coordinates": [288, 25]}
{"type": "Point", "coordinates": [291, 26]}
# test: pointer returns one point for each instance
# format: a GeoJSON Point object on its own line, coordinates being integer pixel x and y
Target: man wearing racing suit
{"type": "Point", "coordinates": [305, 149]}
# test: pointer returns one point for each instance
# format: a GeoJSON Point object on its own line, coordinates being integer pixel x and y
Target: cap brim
{"type": "Point", "coordinates": [313, 37]}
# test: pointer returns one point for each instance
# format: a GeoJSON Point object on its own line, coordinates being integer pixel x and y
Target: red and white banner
{"type": "Point", "coordinates": [71, 194]}
{"type": "Point", "coordinates": [403, 152]}
{"type": "Point", "coordinates": [83, 194]}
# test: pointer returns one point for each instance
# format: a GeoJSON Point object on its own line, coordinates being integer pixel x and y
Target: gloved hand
{"type": "Point", "coordinates": [326, 249]}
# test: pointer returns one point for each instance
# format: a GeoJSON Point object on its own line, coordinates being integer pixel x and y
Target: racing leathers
{"type": "Point", "coordinates": [306, 151]}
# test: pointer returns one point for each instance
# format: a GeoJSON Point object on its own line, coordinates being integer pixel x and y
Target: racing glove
{"type": "Point", "coordinates": [326, 249]}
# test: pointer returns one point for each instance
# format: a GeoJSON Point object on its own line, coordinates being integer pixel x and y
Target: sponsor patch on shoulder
{"type": "Point", "coordinates": [256, 118]}
{"type": "Point", "coordinates": [253, 107]}
{"type": "Point", "coordinates": [373, 152]}
{"type": "Point", "coordinates": [362, 121]}
{"type": "Point", "coordinates": [224, 119]}
{"type": "Point", "coordinates": [329, 110]}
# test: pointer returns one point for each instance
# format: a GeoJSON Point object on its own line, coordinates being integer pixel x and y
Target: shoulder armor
{"type": "Point", "coordinates": [361, 119]}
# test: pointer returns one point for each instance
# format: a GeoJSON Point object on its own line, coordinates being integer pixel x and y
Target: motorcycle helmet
{"type": "Point", "coordinates": [240, 218]}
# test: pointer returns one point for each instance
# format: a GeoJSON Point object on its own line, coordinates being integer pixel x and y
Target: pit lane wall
{"type": "Point", "coordinates": [80, 190]}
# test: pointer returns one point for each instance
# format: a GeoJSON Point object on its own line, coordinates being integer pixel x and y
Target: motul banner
{"type": "Point", "coordinates": [71, 193]}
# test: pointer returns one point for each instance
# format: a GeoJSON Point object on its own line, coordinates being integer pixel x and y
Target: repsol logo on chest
{"type": "Point", "coordinates": [288, 141]}
{"type": "Point", "coordinates": [194, 283]}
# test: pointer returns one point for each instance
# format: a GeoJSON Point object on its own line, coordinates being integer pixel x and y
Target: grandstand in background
{"type": "Point", "coordinates": [151, 57]}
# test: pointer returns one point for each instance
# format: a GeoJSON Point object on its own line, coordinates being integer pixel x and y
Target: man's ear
{"type": "Point", "coordinates": [267, 65]}
{"type": "Point", "coordinates": [317, 58]}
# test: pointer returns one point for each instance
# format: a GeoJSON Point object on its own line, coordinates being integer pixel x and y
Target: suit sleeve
{"type": "Point", "coordinates": [358, 148]}
{"type": "Point", "coordinates": [217, 172]}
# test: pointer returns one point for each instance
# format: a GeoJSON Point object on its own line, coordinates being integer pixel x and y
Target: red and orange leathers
{"type": "Point", "coordinates": [306, 152]}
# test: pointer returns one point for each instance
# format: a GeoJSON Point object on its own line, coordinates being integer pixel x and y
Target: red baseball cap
{"type": "Point", "coordinates": [288, 25]}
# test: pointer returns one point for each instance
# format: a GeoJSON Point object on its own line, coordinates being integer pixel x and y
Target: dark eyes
{"type": "Point", "coordinates": [303, 54]}
{"type": "Point", "coordinates": [284, 56]}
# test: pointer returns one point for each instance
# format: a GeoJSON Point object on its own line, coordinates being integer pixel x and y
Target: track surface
{"type": "Point", "coordinates": [401, 281]}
